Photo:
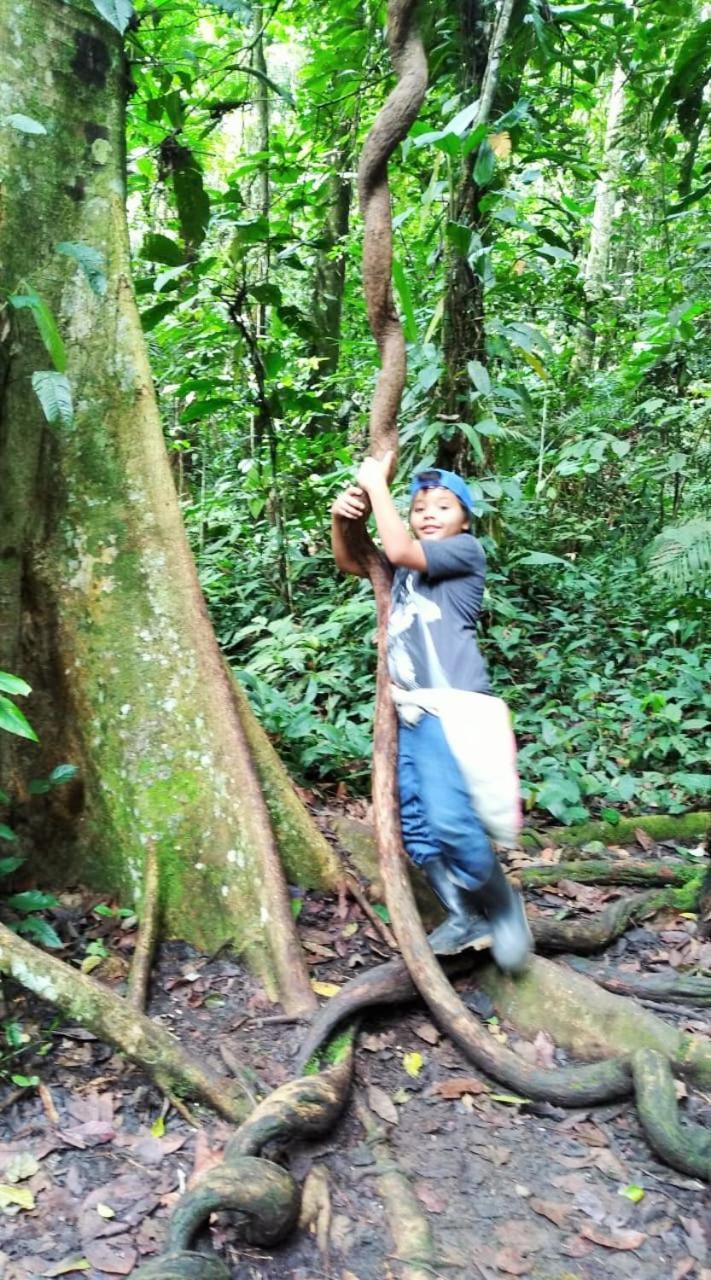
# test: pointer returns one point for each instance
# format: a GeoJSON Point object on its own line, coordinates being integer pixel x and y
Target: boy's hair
{"type": "Point", "coordinates": [437, 478]}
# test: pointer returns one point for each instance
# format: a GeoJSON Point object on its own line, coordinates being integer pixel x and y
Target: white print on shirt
{"type": "Point", "coordinates": [409, 607]}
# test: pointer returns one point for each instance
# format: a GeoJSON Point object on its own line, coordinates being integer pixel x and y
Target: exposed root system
{"type": "Point", "coordinates": [115, 1021]}
{"type": "Point", "coordinates": [687, 1147]}
{"type": "Point", "coordinates": [260, 1192]}
{"type": "Point", "coordinates": [666, 988]}
{"type": "Point", "coordinates": [636, 871]}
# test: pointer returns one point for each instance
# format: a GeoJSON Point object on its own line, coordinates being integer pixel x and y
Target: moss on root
{"type": "Point", "coordinates": [681, 826]}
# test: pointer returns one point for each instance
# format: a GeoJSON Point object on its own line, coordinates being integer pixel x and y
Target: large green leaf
{"type": "Point", "coordinates": [13, 684]}
{"type": "Point", "coordinates": [480, 377]}
{"type": "Point", "coordinates": [681, 554]}
{"type": "Point", "coordinates": [46, 325]}
{"type": "Point", "coordinates": [55, 395]}
{"type": "Point", "coordinates": [690, 67]}
{"type": "Point", "coordinates": [484, 165]}
{"type": "Point", "coordinates": [31, 900]}
{"type": "Point", "coordinates": [153, 316]}
{"type": "Point", "coordinates": [159, 248]}
{"type": "Point", "coordinates": [116, 12]}
{"type": "Point", "coordinates": [13, 720]}
{"type": "Point", "coordinates": [40, 930]}
{"type": "Point", "coordinates": [544, 557]}
{"type": "Point", "coordinates": [402, 288]}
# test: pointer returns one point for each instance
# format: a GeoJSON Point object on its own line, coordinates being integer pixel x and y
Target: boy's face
{"type": "Point", "coordinates": [436, 513]}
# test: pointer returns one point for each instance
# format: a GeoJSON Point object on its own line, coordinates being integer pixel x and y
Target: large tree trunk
{"type": "Point", "coordinates": [330, 275]}
{"type": "Point", "coordinates": [100, 607]}
{"type": "Point", "coordinates": [596, 263]}
{"type": "Point", "coordinates": [463, 332]}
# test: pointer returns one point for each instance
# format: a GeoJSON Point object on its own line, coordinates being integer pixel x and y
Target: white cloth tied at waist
{"type": "Point", "coordinates": [478, 731]}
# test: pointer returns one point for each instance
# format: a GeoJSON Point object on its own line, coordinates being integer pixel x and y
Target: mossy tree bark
{"type": "Point", "coordinates": [100, 607]}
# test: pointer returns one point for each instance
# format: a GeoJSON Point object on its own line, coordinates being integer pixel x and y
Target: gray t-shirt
{"type": "Point", "coordinates": [431, 633]}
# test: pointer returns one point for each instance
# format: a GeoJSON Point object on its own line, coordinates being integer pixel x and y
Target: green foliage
{"type": "Point", "coordinates": [590, 472]}
{"type": "Point", "coordinates": [117, 13]}
{"type": "Point", "coordinates": [23, 906]}
{"type": "Point", "coordinates": [11, 718]}
{"type": "Point", "coordinates": [55, 396]}
{"type": "Point", "coordinates": [681, 554]}
{"type": "Point", "coordinates": [50, 386]}
{"type": "Point", "coordinates": [46, 325]}
{"type": "Point", "coordinates": [610, 708]}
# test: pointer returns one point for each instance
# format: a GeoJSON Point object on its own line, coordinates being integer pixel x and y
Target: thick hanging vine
{"type": "Point", "coordinates": [261, 1192]}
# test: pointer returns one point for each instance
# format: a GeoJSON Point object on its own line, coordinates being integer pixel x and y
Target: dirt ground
{"type": "Point", "coordinates": [91, 1162]}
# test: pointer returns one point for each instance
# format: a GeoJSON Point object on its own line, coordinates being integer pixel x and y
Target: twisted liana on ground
{"type": "Point", "coordinates": [261, 1193]}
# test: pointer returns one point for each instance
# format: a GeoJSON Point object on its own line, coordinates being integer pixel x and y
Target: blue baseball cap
{"type": "Point", "coordinates": [436, 478]}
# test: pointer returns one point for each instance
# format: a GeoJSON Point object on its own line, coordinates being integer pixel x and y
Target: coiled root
{"type": "Point", "coordinates": [263, 1195]}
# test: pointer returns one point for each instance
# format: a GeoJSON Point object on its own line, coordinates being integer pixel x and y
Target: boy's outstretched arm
{"type": "Point", "coordinates": [398, 545]}
{"type": "Point", "coordinates": [352, 504]}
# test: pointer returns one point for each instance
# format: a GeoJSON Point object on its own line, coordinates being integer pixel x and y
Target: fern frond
{"type": "Point", "coordinates": [681, 554]}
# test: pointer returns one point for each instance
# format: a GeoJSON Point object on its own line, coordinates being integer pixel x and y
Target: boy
{"type": "Point", "coordinates": [436, 597]}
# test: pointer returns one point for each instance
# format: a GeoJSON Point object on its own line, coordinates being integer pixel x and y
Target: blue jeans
{"type": "Point", "coordinates": [436, 812]}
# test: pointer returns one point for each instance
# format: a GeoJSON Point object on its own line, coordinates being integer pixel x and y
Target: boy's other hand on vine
{"type": "Point", "coordinates": [374, 472]}
{"type": "Point", "coordinates": [352, 504]}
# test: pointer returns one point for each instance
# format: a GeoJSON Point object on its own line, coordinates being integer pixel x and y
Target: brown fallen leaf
{"type": "Point", "coordinates": [589, 1132]}
{"type": "Point", "coordinates": [317, 949]}
{"type": "Point", "coordinates": [458, 1086]}
{"type": "Point", "coordinates": [570, 1182]}
{"type": "Point", "coordinates": [316, 1212]}
{"type": "Point", "coordinates": [607, 1162]}
{"type": "Point", "coordinates": [433, 1200]}
{"type": "Point", "coordinates": [427, 1032]}
{"type": "Point", "coordinates": [511, 1262]}
{"type": "Point", "coordinates": [521, 1234]}
{"type": "Point", "coordinates": [695, 1238]}
{"type": "Point", "coordinates": [374, 1043]}
{"type": "Point", "coordinates": [90, 1134]}
{"type": "Point", "coordinates": [204, 1156]}
{"type": "Point", "coordinates": [555, 1212]}
{"type": "Point", "coordinates": [574, 1162]}
{"type": "Point", "coordinates": [586, 896]}
{"type": "Point", "coordinates": [47, 1101]}
{"type": "Point", "coordinates": [92, 1106]}
{"type": "Point", "coordinates": [618, 1240]}
{"type": "Point", "coordinates": [684, 1268]}
{"type": "Point", "coordinates": [576, 1247]}
{"type": "Point", "coordinates": [382, 1104]}
{"type": "Point", "coordinates": [118, 1256]}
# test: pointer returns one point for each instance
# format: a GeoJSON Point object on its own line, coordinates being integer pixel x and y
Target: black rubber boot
{"type": "Point", "coordinates": [512, 941]}
{"type": "Point", "coordinates": [463, 927]}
